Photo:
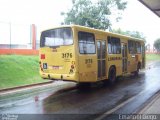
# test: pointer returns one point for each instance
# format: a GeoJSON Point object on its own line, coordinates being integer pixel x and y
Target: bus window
{"type": "Point", "coordinates": [132, 47]}
{"type": "Point", "coordinates": [138, 46]}
{"type": "Point", "coordinates": [114, 46]}
{"type": "Point", "coordinates": [99, 49]}
{"type": "Point", "coordinates": [86, 43]}
{"type": "Point", "coordinates": [56, 37]}
{"type": "Point", "coordinates": [103, 49]}
{"type": "Point", "coordinates": [109, 45]}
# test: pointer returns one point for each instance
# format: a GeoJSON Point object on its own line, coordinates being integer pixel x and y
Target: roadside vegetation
{"type": "Point", "coordinates": [94, 14]}
{"type": "Point", "coordinates": [152, 57]}
{"type": "Point", "coordinates": [17, 70]}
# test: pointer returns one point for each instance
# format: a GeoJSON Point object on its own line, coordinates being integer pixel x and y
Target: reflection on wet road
{"type": "Point", "coordinates": [96, 100]}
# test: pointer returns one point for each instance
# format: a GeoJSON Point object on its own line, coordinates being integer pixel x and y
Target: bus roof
{"type": "Point", "coordinates": [98, 30]}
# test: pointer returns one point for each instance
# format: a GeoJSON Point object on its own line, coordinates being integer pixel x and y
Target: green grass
{"type": "Point", "coordinates": [152, 57]}
{"type": "Point", "coordinates": [17, 70]}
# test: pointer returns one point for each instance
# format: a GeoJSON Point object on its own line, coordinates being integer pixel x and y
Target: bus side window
{"type": "Point", "coordinates": [86, 43]}
{"type": "Point", "coordinates": [138, 46]}
{"type": "Point", "coordinates": [132, 47]}
{"type": "Point", "coordinates": [129, 46]}
{"type": "Point", "coordinates": [118, 46]}
{"type": "Point", "coordinates": [109, 45]}
{"type": "Point", "coordinates": [114, 46]}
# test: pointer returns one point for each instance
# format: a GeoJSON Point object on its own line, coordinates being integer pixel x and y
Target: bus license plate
{"type": "Point", "coordinates": [55, 67]}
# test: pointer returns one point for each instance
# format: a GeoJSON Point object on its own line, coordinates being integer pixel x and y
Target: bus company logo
{"type": "Point", "coordinates": [114, 58]}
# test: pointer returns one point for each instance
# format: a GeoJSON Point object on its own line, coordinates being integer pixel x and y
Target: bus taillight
{"type": "Point", "coordinates": [72, 66]}
{"type": "Point", "coordinates": [42, 56]}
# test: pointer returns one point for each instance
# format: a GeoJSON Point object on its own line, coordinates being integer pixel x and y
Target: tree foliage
{"type": "Point", "coordinates": [135, 34]}
{"type": "Point", "coordinates": [157, 44]}
{"type": "Point", "coordinates": [95, 15]}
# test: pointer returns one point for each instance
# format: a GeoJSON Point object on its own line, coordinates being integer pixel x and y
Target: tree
{"type": "Point", "coordinates": [95, 15]}
{"type": "Point", "coordinates": [157, 44]}
{"type": "Point", "coordinates": [135, 34]}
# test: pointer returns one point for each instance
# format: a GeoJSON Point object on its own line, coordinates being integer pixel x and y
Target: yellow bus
{"type": "Point", "coordinates": [85, 55]}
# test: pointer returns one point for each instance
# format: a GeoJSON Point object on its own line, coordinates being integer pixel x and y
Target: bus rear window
{"type": "Point", "coordinates": [56, 37]}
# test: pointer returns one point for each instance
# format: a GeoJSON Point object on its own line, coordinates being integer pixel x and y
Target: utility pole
{"type": "Point", "coordinates": [10, 34]}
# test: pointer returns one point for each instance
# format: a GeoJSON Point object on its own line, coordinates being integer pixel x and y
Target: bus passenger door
{"type": "Point", "coordinates": [124, 57]}
{"type": "Point", "coordinates": [101, 59]}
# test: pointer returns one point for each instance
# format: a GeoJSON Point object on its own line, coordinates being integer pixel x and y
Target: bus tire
{"type": "Point", "coordinates": [112, 75]}
{"type": "Point", "coordinates": [137, 71]}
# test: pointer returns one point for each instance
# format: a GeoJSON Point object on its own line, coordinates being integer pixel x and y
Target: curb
{"type": "Point", "coordinates": [150, 104]}
{"type": "Point", "coordinates": [144, 106]}
{"type": "Point", "coordinates": [25, 86]}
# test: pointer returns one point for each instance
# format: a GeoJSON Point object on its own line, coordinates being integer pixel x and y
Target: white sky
{"type": "Point", "coordinates": [46, 14]}
{"type": "Point", "coordinates": [139, 18]}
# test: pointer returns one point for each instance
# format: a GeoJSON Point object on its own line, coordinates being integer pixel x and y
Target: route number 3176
{"type": "Point", "coordinates": [66, 55]}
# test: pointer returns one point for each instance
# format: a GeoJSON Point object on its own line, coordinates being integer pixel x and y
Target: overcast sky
{"type": "Point", "coordinates": [46, 13]}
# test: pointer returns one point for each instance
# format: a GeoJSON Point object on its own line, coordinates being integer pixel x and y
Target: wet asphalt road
{"type": "Point", "coordinates": [88, 103]}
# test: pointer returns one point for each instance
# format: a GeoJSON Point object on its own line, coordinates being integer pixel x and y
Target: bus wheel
{"type": "Point", "coordinates": [137, 71]}
{"type": "Point", "coordinates": [112, 75]}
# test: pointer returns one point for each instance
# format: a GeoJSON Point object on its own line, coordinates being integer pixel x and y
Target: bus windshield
{"type": "Point", "coordinates": [56, 37]}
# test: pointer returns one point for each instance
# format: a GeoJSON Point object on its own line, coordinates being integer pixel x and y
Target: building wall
{"type": "Point", "coordinates": [18, 39]}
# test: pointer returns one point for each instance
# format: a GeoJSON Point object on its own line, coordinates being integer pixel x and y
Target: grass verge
{"type": "Point", "coordinates": [17, 70]}
{"type": "Point", "coordinates": [152, 57]}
